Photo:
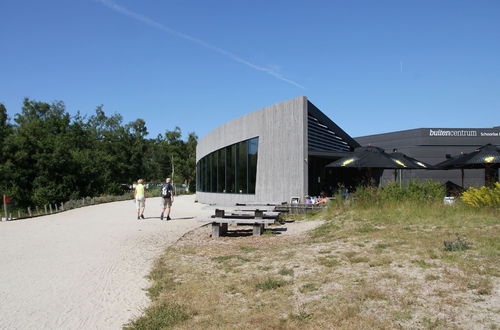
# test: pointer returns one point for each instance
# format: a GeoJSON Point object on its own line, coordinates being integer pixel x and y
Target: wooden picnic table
{"type": "Point", "coordinates": [257, 220]}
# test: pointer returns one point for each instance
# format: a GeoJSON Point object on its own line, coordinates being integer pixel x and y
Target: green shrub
{"type": "Point", "coordinates": [415, 191]}
{"type": "Point", "coordinates": [153, 192]}
{"type": "Point", "coordinates": [482, 197]}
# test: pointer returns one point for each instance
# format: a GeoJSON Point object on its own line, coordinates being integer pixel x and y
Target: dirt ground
{"type": "Point", "coordinates": [85, 268]}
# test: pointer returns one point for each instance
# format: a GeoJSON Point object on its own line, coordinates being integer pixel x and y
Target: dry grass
{"type": "Point", "coordinates": [360, 269]}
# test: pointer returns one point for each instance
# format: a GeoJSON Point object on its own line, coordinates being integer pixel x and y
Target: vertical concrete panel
{"type": "Point", "coordinates": [281, 164]}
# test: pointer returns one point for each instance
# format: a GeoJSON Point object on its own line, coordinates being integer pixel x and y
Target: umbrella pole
{"type": "Point", "coordinates": [462, 170]}
{"type": "Point", "coordinates": [490, 176]}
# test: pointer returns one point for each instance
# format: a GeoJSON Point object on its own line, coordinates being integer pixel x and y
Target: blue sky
{"type": "Point", "coordinates": [371, 66]}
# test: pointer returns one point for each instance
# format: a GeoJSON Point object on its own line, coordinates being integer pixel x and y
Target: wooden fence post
{"type": "Point", "coordinates": [62, 206]}
{"type": "Point", "coordinates": [18, 214]}
{"type": "Point", "coordinates": [50, 208]}
{"type": "Point", "coordinates": [29, 211]}
{"type": "Point", "coordinates": [45, 206]}
{"type": "Point", "coordinates": [37, 210]}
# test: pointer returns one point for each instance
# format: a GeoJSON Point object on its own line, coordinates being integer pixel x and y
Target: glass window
{"type": "Point", "coordinates": [241, 173]}
{"type": "Point", "coordinates": [221, 170]}
{"type": "Point", "coordinates": [232, 169]}
{"type": "Point", "coordinates": [198, 188]}
{"type": "Point", "coordinates": [209, 172]}
{"type": "Point", "coordinates": [253, 146]}
{"type": "Point", "coordinates": [213, 158]}
{"type": "Point", "coordinates": [205, 173]}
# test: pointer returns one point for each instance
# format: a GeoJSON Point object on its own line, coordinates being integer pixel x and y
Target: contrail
{"type": "Point", "coordinates": [148, 21]}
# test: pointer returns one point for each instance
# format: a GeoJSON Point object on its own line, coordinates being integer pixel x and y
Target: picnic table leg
{"type": "Point", "coordinates": [258, 229]}
{"type": "Point", "coordinates": [216, 229]}
{"type": "Point", "coordinates": [223, 229]}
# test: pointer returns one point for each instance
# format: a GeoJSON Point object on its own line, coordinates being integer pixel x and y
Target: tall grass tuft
{"type": "Point", "coordinates": [270, 284]}
{"type": "Point", "coordinates": [160, 316]}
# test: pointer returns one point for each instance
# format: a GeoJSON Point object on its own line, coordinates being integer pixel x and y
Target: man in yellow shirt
{"type": "Point", "coordinates": [140, 199]}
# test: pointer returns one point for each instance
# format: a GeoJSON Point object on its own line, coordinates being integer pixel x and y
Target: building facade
{"type": "Point", "coordinates": [433, 145]}
{"type": "Point", "coordinates": [270, 155]}
{"type": "Point", "coordinates": [280, 152]}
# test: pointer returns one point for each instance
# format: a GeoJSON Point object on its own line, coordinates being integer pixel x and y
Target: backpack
{"type": "Point", "coordinates": [166, 191]}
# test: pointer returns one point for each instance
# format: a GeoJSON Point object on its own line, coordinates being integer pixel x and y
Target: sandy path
{"type": "Point", "coordinates": [85, 268]}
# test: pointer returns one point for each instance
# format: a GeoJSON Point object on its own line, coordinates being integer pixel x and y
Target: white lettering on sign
{"type": "Point", "coordinates": [440, 132]}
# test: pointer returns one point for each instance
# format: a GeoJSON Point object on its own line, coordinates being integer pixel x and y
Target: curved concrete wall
{"type": "Point", "coordinates": [282, 155]}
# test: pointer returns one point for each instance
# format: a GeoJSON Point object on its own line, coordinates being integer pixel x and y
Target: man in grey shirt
{"type": "Point", "coordinates": [167, 194]}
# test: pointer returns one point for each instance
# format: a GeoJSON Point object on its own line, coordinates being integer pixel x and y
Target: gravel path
{"type": "Point", "coordinates": [85, 268]}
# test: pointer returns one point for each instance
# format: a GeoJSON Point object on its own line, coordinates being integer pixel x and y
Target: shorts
{"type": "Point", "coordinates": [166, 202]}
{"type": "Point", "coordinates": [140, 202]}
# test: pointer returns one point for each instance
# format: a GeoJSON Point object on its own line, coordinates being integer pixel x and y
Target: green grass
{"type": "Point", "coordinates": [328, 261]}
{"type": "Point", "coordinates": [226, 258]}
{"type": "Point", "coordinates": [270, 284]}
{"type": "Point", "coordinates": [286, 271]}
{"type": "Point", "coordinates": [160, 317]}
{"type": "Point", "coordinates": [248, 249]}
{"type": "Point", "coordinates": [308, 287]}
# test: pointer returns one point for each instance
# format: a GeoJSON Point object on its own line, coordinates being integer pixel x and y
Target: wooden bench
{"type": "Point", "coordinates": [257, 220]}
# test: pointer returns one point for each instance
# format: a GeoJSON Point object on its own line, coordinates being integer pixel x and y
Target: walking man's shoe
{"type": "Point", "coordinates": [161, 216]}
{"type": "Point", "coordinates": [138, 218]}
{"type": "Point", "coordinates": [168, 217]}
{"type": "Point", "coordinates": [142, 216]}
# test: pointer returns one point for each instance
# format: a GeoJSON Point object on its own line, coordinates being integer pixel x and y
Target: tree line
{"type": "Point", "coordinates": [50, 156]}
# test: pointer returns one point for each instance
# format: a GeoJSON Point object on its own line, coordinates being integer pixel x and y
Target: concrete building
{"type": "Point", "coordinates": [432, 145]}
{"type": "Point", "coordinates": [272, 155]}
{"type": "Point", "coordinates": [280, 152]}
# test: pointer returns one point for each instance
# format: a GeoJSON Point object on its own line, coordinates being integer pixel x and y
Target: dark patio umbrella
{"type": "Point", "coordinates": [487, 157]}
{"type": "Point", "coordinates": [374, 157]}
{"type": "Point", "coordinates": [410, 160]}
{"type": "Point", "coordinates": [416, 164]}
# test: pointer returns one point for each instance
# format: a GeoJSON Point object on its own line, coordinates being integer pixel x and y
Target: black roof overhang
{"type": "Point", "coordinates": [328, 154]}
{"type": "Point", "coordinates": [334, 127]}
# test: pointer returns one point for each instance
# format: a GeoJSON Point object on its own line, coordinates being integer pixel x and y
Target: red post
{"type": "Point", "coordinates": [6, 201]}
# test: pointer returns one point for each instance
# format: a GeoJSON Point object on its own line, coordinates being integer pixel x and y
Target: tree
{"type": "Point", "coordinates": [5, 131]}
{"type": "Point", "coordinates": [48, 156]}
{"type": "Point", "coordinates": [189, 169]}
{"type": "Point", "coordinates": [39, 153]}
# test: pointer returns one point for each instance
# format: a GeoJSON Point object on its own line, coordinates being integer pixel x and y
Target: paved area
{"type": "Point", "coordinates": [85, 268]}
